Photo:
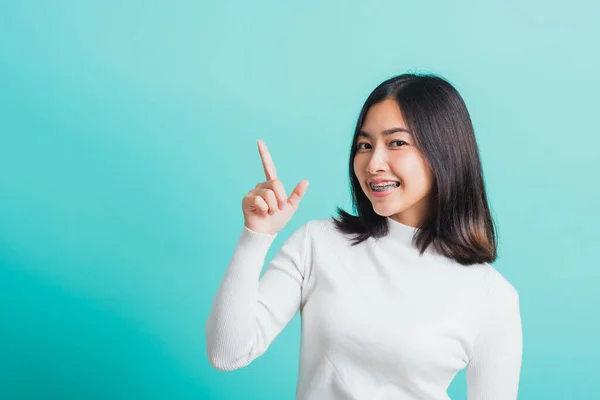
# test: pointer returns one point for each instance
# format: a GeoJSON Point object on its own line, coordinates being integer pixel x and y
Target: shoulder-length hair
{"type": "Point", "coordinates": [460, 225]}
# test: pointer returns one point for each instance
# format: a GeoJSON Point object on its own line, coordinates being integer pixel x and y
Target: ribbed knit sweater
{"type": "Point", "coordinates": [379, 320]}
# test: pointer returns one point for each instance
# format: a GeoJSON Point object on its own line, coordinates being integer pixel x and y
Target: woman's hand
{"type": "Point", "coordinates": [266, 208]}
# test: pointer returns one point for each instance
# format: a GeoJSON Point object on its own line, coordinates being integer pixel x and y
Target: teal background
{"type": "Point", "coordinates": [128, 139]}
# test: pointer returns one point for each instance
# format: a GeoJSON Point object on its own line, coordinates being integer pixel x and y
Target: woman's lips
{"type": "Point", "coordinates": [384, 193]}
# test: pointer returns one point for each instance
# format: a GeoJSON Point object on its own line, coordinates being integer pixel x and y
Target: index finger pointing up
{"type": "Point", "coordinates": [267, 161]}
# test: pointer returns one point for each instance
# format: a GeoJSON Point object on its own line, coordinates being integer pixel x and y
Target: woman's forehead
{"type": "Point", "coordinates": [383, 116]}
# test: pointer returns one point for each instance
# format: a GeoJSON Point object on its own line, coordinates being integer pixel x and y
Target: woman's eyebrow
{"type": "Point", "coordinates": [386, 132]}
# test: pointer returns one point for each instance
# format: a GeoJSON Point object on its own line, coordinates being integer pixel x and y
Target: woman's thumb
{"type": "Point", "coordinates": [298, 193]}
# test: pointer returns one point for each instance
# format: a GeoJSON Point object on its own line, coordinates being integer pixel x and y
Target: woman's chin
{"type": "Point", "coordinates": [386, 210]}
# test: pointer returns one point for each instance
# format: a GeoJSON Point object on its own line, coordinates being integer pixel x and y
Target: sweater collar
{"type": "Point", "coordinates": [399, 231]}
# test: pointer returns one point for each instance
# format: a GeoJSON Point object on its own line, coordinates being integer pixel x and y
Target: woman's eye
{"type": "Point", "coordinates": [363, 145]}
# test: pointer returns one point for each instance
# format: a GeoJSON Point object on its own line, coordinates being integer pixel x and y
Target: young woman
{"type": "Point", "coordinates": [398, 298]}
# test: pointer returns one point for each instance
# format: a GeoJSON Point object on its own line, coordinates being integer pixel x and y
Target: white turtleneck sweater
{"type": "Point", "coordinates": [379, 320]}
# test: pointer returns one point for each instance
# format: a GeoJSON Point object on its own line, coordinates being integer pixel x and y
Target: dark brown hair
{"type": "Point", "coordinates": [460, 225]}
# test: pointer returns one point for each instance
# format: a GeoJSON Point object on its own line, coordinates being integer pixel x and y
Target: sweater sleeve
{"type": "Point", "coordinates": [248, 311]}
{"type": "Point", "coordinates": [494, 370]}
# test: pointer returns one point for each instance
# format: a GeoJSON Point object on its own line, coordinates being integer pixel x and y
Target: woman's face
{"type": "Point", "coordinates": [386, 152]}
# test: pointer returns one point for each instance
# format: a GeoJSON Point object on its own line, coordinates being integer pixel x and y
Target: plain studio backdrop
{"type": "Point", "coordinates": [128, 139]}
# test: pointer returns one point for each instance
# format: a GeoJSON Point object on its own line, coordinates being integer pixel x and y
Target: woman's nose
{"type": "Point", "coordinates": [377, 163]}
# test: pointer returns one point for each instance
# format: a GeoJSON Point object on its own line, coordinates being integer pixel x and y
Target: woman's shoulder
{"type": "Point", "coordinates": [498, 291]}
{"type": "Point", "coordinates": [321, 225]}
{"type": "Point", "coordinates": [486, 283]}
{"type": "Point", "coordinates": [319, 234]}
{"type": "Point", "coordinates": [324, 229]}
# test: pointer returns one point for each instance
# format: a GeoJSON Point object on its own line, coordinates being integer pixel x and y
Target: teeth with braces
{"type": "Point", "coordinates": [384, 185]}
